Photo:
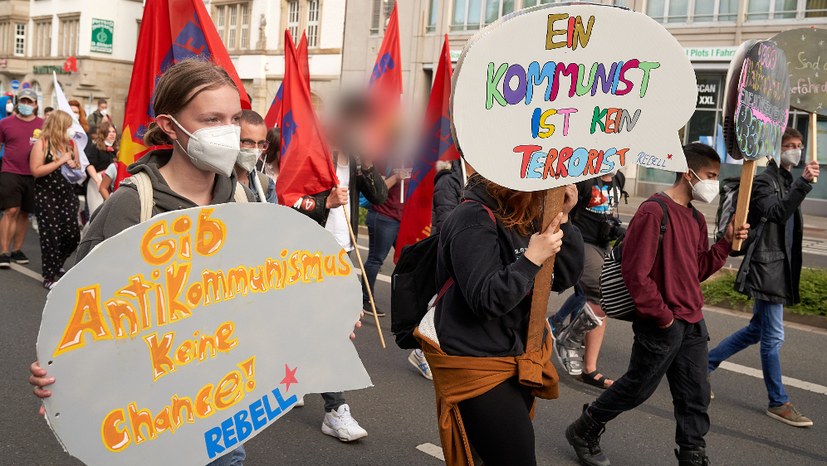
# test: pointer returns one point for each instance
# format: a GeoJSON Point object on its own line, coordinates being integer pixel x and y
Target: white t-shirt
{"type": "Point", "coordinates": [336, 221]}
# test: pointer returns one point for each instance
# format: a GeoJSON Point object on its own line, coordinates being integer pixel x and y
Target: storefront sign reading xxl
{"type": "Point", "coordinates": [578, 98]}
{"type": "Point", "coordinates": [187, 335]}
{"type": "Point", "coordinates": [103, 31]}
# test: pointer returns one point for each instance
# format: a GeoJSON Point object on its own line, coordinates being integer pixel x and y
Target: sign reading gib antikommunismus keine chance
{"type": "Point", "coordinates": [553, 95]}
{"type": "Point", "coordinates": [185, 336]}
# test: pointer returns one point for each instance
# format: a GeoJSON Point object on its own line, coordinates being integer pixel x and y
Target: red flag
{"type": "Point", "coordinates": [306, 167]}
{"type": "Point", "coordinates": [171, 31]}
{"type": "Point", "coordinates": [439, 145]}
{"type": "Point", "coordinates": [273, 117]}
{"type": "Point", "coordinates": [385, 89]}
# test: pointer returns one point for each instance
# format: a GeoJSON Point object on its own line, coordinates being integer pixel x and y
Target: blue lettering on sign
{"type": "Point", "coordinates": [288, 129]}
{"type": "Point", "coordinates": [243, 423]}
{"type": "Point", "coordinates": [439, 141]}
{"type": "Point", "coordinates": [381, 67]}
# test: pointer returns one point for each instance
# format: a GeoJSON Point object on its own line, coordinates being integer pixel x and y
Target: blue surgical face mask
{"type": "Point", "coordinates": [24, 109]}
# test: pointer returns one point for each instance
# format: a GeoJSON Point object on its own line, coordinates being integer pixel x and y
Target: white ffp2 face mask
{"type": "Point", "coordinates": [247, 159]}
{"type": "Point", "coordinates": [704, 190]}
{"type": "Point", "coordinates": [213, 148]}
{"type": "Point", "coordinates": [791, 157]}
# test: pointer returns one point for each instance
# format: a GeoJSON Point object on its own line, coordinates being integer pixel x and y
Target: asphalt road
{"type": "Point", "coordinates": [399, 411]}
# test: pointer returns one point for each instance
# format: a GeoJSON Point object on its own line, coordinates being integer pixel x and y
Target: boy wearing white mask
{"type": "Point", "coordinates": [100, 115]}
{"type": "Point", "coordinates": [666, 256]}
{"type": "Point", "coordinates": [773, 280]}
{"type": "Point", "coordinates": [253, 143]}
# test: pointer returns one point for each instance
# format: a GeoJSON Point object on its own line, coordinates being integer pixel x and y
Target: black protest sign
{"type": "Point", "coordinates": [806, 51]}
{"type": "Point", "coordinates": [762, 101]}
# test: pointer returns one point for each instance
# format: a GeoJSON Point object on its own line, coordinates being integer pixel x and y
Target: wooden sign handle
{"type": "Point", "coordinates": [744, 196]}
{"type": "Point", "coordinates": [552, 205]}
{"type": "Point", "coordinates": [812, 146]}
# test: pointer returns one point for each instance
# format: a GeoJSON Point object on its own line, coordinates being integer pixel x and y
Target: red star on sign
{"type": "Point", "coordinates": [289, 377]}
{"type": "Point", "coordinates": [669, 156]}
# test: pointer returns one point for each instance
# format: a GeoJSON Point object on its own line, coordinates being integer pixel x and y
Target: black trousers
{"type": "Point", "coordinates": [498, 425]}
{"type": "Point", "coordinates": [680, 353]}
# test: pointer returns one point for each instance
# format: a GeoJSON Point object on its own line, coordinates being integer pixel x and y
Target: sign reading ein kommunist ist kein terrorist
{"type": "Point", "coordinates": [553, 95]}
{"type": "Point", "coordinates": [185, 336]}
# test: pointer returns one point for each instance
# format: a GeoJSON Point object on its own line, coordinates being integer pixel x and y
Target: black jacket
{"type": "Point", "coordinates": [100, 159]}
{"type": "Point", "coordinates": [447, 194]}
{"type": "Point", "coordinates": [768, 271]}
{"type": "Point", "coordinates": [362, 181]}
{"type": "Point", "coordinates": [486, 311]}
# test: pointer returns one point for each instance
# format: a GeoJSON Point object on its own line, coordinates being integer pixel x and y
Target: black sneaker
{"type": "Point", "coordinates": [19, 257]}
{"type": "Point", "coordinates": [5, 261]}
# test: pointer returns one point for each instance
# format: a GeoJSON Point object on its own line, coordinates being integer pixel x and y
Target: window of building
{"type": "Point", "coordinates": [20, 39]}
{"type": "Point", "coordinates": [759, 10]}
{"type": "Point", "coordinates": [232, 22]}
{"type": "Point", "coordinates": [380, 14]}
{"type": "Point", "coordinates": [68, 35]}
{"type": "Point", "coordinates": [42, 37]}
{"type": "Point", "coordinates": [293, 18]}
{"type": "Point", "coordinates": [470, 15]}
{"type": "Point", "coordinates": [433, 16]}
{"type": "Point", "coordinates": [692, 11]}
{"type": "Point", "coordinates": [313, 23]}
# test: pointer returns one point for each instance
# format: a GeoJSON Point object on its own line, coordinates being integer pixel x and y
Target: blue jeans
{"type": "Point", "coordinates": [233, 458]}
{"type": "Point", "coordinates": [382, 233]}
{"type": "Point", "coordinates": [572, 305]}
{"type": "Point", "coordinates": [765, 327]}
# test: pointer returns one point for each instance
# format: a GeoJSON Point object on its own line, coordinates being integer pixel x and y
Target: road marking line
{"type": "Point", "coordinates": [380, 277]}
{"type": "Point", "coordinates": [788, 381]}
{"type": "Point", "coordinates": [27, 272]}
{"type": "Point", "coordinates": [432, 450]}
{"type": "Point", "coordinates": [363, 248]}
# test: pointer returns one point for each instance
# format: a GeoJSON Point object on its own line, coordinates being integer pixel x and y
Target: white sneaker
{"type": "Point", "coordinates": [299, 403]}
{"type": "Point", "coordinates": [417, 359]}
{"type": "Point", "coordinates": [340, 424]}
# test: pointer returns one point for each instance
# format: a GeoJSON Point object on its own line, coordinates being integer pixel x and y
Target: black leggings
{"type": "Point", "coordinates": [498, 425]}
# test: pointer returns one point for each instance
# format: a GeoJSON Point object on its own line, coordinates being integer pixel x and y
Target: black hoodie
{"type": "Point", "coordinates": [123, 209]}
{"type": "Point", "coordinates": [487, 310]}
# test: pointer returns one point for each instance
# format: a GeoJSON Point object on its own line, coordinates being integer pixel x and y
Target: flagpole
{"type": "Point", "coordinates": [258, 188]}
{"type": "Point", "coordinates": [464, 173]}
{"type": "Point", "coordinates": [364, 276]}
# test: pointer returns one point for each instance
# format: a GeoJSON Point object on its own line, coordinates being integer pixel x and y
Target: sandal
{"type": "Point", "coordinates": [596, 379]}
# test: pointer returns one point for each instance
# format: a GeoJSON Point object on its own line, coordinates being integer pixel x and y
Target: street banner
{"type": "Point", "coordinates": [273, 117]}
{"type": "Point", "coordinates": [175, 341]}
{"type": "Point", "coordinates": [438, 145]}
{"type": "Point", "coordinates": [552, 95]}
{"type": "Point", "coordinates": [306, 167]}
{"type": "Point", "coordinates": [171, 31]}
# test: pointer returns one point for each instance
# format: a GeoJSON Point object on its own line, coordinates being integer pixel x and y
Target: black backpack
{"type": "Point", "coordinates": [413, 287]}
{"type": "Point", "coordinates": [727, 202]}
{"type": "Point", "coordinates": [615, 299]}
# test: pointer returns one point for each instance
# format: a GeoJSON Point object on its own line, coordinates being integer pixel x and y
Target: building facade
{"type": "Point", "coordinates": [253, 33]}
{"type": "Point", "coordinates": [90, 45]}
{"type": "Point", "coordinates": [709, 30]}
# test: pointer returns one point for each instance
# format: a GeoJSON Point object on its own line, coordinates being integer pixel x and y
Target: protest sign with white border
{"type": "Point", "coordinates": [556, 94]}
{"type": "Point", "coordinates": [180, 338]}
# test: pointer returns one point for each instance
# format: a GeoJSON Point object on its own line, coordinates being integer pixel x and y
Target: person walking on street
{"type": "Point", "coordinates": [18, 132]}
{"type": "Point", "coordinates": [771, 271]}
{"type": "Point", "coordinates": [56, 205]}
{"type": "Point", "coordinates": [663, 271]}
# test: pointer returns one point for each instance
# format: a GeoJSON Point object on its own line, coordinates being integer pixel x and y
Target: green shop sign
{"type": "Point", "coordinates": [103, 30]}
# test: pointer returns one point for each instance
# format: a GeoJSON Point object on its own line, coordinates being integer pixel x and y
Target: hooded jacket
{"type": "Point", "coordinates": [771, 271]}
{"type": "Point", "coordinates": [123, 209]}
{"type": "Point", "coordinates": [447, 194]}
{"type": "Point", "coordinates": [486, 312]}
